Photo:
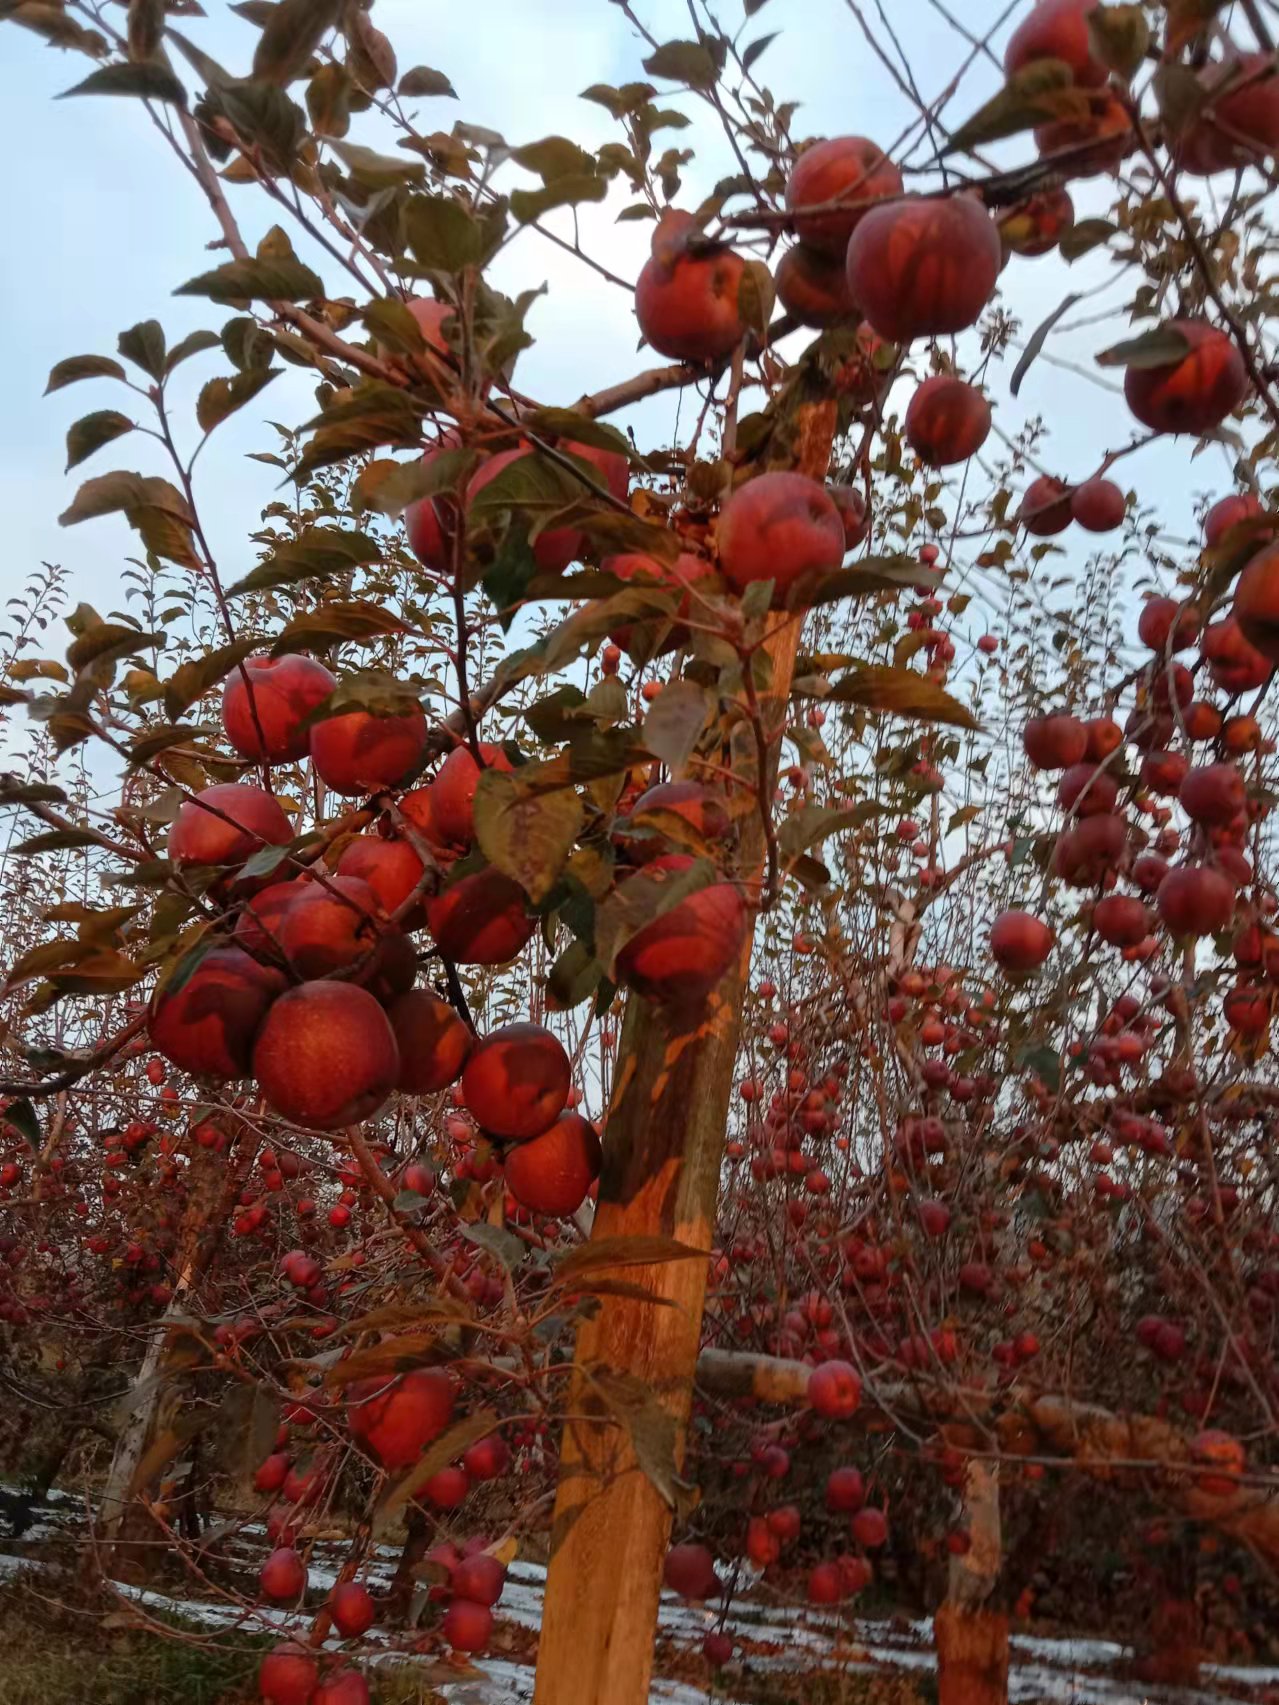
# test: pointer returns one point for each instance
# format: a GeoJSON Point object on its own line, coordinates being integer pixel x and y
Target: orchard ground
{"type": "Point", "coordinates": [819, 1660]}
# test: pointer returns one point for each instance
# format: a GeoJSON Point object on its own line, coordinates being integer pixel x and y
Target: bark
{"type": "Point", "coordinates": [971, 1636]}
{"type": "Point", "coordinates": [213, 1194]}
{"type": "Point", "coordinates": [635, 1360]}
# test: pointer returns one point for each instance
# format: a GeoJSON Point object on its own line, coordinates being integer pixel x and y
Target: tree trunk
{"type": "Point", "coordinates": [212, 1199]}
{"type": "Point", "coordinates": [971, 1637]}
{"type": "Point", "coordinates": [635, 1360]}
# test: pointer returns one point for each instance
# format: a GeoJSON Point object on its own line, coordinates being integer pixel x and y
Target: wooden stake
{"type": "Point", "coordinates": [663, 1147]}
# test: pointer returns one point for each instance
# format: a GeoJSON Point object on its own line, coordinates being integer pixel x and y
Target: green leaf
{"type": "Point", "coordinates": [92, 432]}
{"type": "Point", "coordinates": [106, 640]}
{"type": "Point", "coordinates": [317, 553]}
{"type": "Point", "coordinates": [366, 417]}
{"type": "Point", "coordinates": [15, 792]}
{"type": "Point", "coordinates": [328, 100]}
{"type": "Point", "coordinates": [237, 281]}
{"type": "Point", "coordinates": [674, 721]}
{"type": "Point", "coordinates": [422, 80]}
{"type": "Point", "coordinates": [1120, 37]}
{"type": "Point", "coordinates": [1162, 346]}
{"type": "Point", "coordinates": [374, 171]}
{"type": "Point", "coordinates": [1084, 236]}
{"type": "Point", "coordinates": [577, 428]}
{"type": "Point", "coordinates": [50, 21]}
{"type": "Point", "coordinates": [265, 117]}
{"type": "Point", "coordinates": [754, 49]}
{"type": "Point", "coordinates": [77, 367]}
{"type": "Point", "coordinates": [110, 493]}
{"type": "Point", "coordinates": [575, 975]}
{"type": "Point", "coordinates": [902, 693]}
{"type": "Point", "coordinates": [809, 827]}
{"type": "Point", "coordinates": [193, 680]}
{"type": "Point", "coordinates": [248, 1420]}
{"type": "Point", "coordinates": [445, 237]}
{"type": "Point", "coordinates": [390, 322]}
{"type": "Point", "coordinates": [194, 344]}
{"type": "Point", "coordinates": [446, 1449]}
{"type": "Point", "coordinates": [151, 80]}
{"type": "Point", "coordinates": [388, 488]}
{"type": "Point", "coordinates": [223, 396]}
{"type": "Point", "coordinates": [1037, 94]}
{"type": "Point", "coordinates": [685, 62]}
{"type": "Point", "coordinates": [293, 32]}
{"type": "Point", "coordinates": [248, 347]}
{"type": "Point", "coordinates": [317, 629]}
{"type": "Point", "coordinates": [636, 1405]}
{"type": "Point", "coordinates": [144, 345]}
{"type": "Point", "coordinates": [526, 834]}
{"type": "Point", "coordinates": [530, 204]}
{"type": "Point", "coordinates": [55, 840]}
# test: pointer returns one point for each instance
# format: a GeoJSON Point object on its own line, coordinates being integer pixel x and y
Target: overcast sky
{"type": "Point", "coordinates": [103, 225]}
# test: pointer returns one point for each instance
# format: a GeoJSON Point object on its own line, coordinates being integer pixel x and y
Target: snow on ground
{"type": "Point", "coordinates": [1071, 1671]}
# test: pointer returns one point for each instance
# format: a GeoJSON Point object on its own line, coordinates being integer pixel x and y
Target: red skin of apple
{"type": "Point", "coordinates": [947, 421]}
{"type": "Point", "coordinates": [1197, 391]}
{"type": "Point", "coordinates": [448, 1489]}
{"type": "Point", "coordinates": [678, 958]}
{"type": "Point", "coordinates": [227, 824]}
{"type": "Point", "coordinates": [283, 1575]}
{"type": "Point", "coordinates": [1121, 920]}
{"type": "Point", "coordinates": [1055, 742]}
{"type": "Point", "coordinates": [391, 869]}
{"type": "Point", "coordinates": [396, 1419]}
{"type": "Point", "coordinates": [845, 1491]}
{"type": "Point", "coordinates": [207, 1028]}
{"type": "Point", "coordinates": [433, 1041]}
{"type": "Point", "coordinates": [553, 1173]}
{"type": "Point", "coordinates": [924, 266]}
{"type": "Point", "coordinates": [467, 1626]}
{"type": "Point", "coordinates": [487, 1459]}
{"type": "Point", "coordinates": [285, 690]}
{"type": "Point", "coordinates": [1087, 790]}
{"type": "Point", "coordinates": [689, 1570]}
{"type": "Point", "coordinates": [612, 466]}
{"type": "Point", "coordinates": [361, 753]}
{"type": "Point", "coordinates": [1020, 941]}
{"type": "Point", "coordinates": [1242, 510]}
{"type": "Point", "coordinates": [780, 527]}
{"type": "Point", "coordinates": [1098, 506]}
{"type": "Point", "coordinates": [688, 303]}
{"type": "Point", "coordinates": [288, 1675]}
{"type": "Point", "coordinates": [556, 547]}
{"type": "Point", "coordinates": [845, 168]}
{"type": "Point", "coordinates": [429, 523]}
{"type": "Point", "coordinates": [1045, 508]}
{"type": "Point", "coordinates": [1240, 125]}
{"type": "Point", "coordinates": [825, 1584]}
{"type": "Point", "coordinates": [479, 1578]}
{"type": "Point", "coordinates": [813, 288]}
{"type": "Point", "coordinates": [432, 316]}
{"type": "Point", "coordinates": [688, 800]}
{"type": "Point", "coordinates": [1194, 900]}
{"type": "Point", "coordinates": [870, 1528]}
{"type": "Point", "coordinates": [834, 1390]}
{"type": "Point", "coordinates": [851, 504]}
{"type": "Point", "coordinates": [331, 927]}
{"type": "Point", "coordinates": [342, 1687]}
{"type": "Point", "coordinates": [1057, 29]}
{"type": "Point", "coordinates": [1247, 1010]}
{"type": "Point", "coordinates": [326, 1055]}
{"type": "Point", "coordinates": [1096, 141]}
{"type": "Point", "coordinates": [257, 929]}
{"type": "Point", "coordinates": [1165, 625]}
{"type": "Point", "coordinates": [1233, 662]}
{"type": "Point", "coordinates": [1256, 603]}
{"type": "Point", "coordinates": [516, 1081]}
{"type": "Point", "coordinates": [453, 791]}
{"type": "Point", "coordinates": [1036, 226]}
{"type": "Point", "coordinates": [657, 633]}
{"type": "Point", "coordinates": [1213, 794]}
{"type": "Point", "coordinates": [481, 919]}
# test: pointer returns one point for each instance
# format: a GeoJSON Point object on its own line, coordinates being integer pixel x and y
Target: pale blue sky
{"type": "Point", "coordinates": [104, 225]}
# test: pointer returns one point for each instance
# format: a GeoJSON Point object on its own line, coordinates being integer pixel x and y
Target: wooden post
{"type": "Point", "coordinates": [971, 1637]}
{"type": "Point", "coordinates": [663, 1147]}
